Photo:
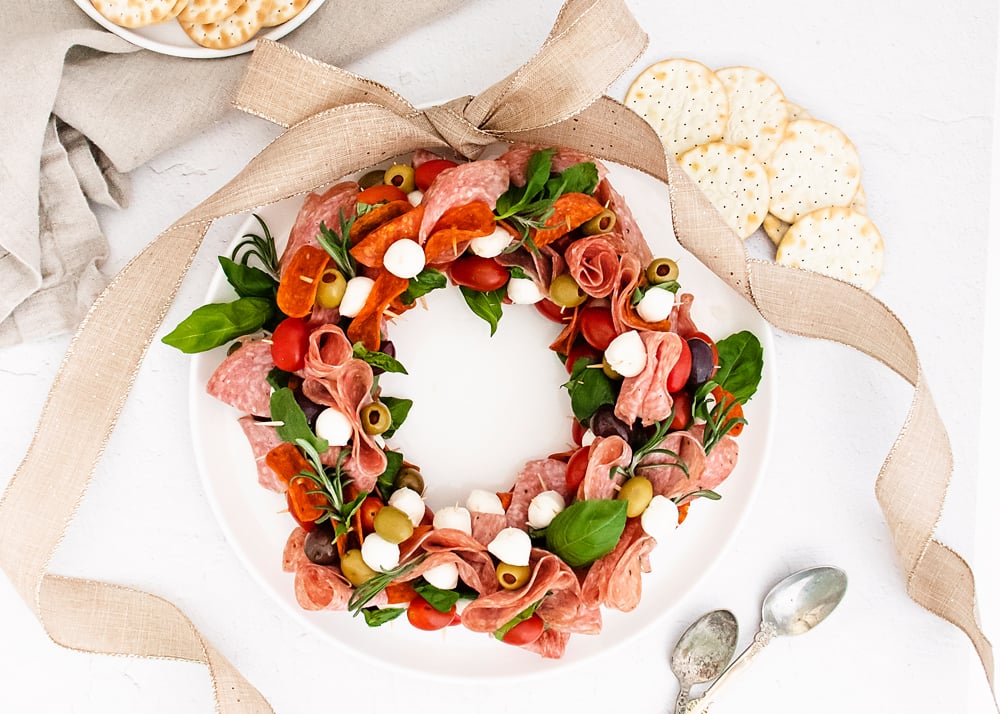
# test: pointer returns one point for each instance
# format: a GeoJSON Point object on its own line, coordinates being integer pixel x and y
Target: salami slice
{"type": "Point", "coordinates": [680, 316]}
{"type": "Point", "coordinates": [645, 395]}
{"type": "Point", "coordinates": [593, 263]}
{"type": "Point", "coordinates": [721, 460]}
{"type": "Point", "coordinates": [294, 553]}
{"type": "Point", "coordinates": [241, 380]}
{"type": "Point", "coordinates": [536, 477]}
{"type": "Point", "coordinates": [550, 645]}
{"type": "Point", "coordinates": [262, 439]}
{"type": "Point", "coordinates": [615, 580]}
{"type": "Point", "coordinates": [485, 526]}
{"type": "Point", "coordinates": [671, 480]}
{"type": "Point", "coordinates": [516, 159]}
{"type": "Point", "coordinates": [327, 208]}
{"type": "Point", "coordinates": [477, 572]}
{"type": "Point", "coordinates": [465, 183]}
{"type": "Point", "coordinates": [605, 453]}
{"type": "Point", "coordinates": [626, 227]}
{"type": "Point", "coordinates": [630, 275]}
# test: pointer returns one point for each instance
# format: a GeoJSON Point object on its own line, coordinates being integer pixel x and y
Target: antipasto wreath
{"type": "Point", "coordinates": [657, 402]}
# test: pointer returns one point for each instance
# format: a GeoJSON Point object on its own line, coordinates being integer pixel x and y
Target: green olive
{"type": "Point", "coordinates": [332, 286]}
{"type": "Point", "coordinates": [375, 418]}
{"type": "Point", "coordinates": [354, 568]}
{"type": "Point", "coordinates": [511, 577]}
{"type": "Point", "coordinates": [662, 270]}
{"type": "Point", "coordinates": [638, 491]}
{"type": "Point", "coordinates": [393, 525]}
{"type": "Point", "coordinates": [564, 291]}
{"type": "Point", "coordinates": [409, 477]}
{"type": "Point", "coordinates": [603, 222]}
{"type": "Point", "coordinates": [609, 371]}
{"type": "Point", "coordinates": [372, 178]}
{"type": "Point", "coordinates": [401, 176]}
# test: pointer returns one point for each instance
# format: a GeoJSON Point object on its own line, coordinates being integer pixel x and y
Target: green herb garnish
{"type": "Point", "coordinates": [260, 247]}
{"type": "Point", "coordinates": [488, 306]}
{"type": "Point", "coordinates": [338, 246]}
{"type": "Point", "coordinates": [215, 324]}
{"type": "Point", "coordinates": [586, 530]}
{"type": "Point", "coordinates": [378, 359]}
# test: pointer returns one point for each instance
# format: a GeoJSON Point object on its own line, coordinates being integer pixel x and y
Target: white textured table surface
{"type": "Point", "coordinates": [915, 90]}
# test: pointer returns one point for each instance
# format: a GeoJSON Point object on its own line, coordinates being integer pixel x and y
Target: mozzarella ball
{"type": "Point", "coordinates": [626, 354]}
{"type": "Point", "coordinates": [655, 305]}
{"type": "Point", "coordinates": [409, 502]}
{"type": "Point", "coordinates": [588, 438]}
{"type": "Point", "coordinates": [544, 507]}
{"type": "Point", "coordinates": [332, 425]}
{"type": "Point", "coordinates": [660, 518]}
{"type": "Point", "coordinates": [482, 501]}
{"type": "Point", "coordinates": [523, 291]}
{"type": "Point", "coordinates": [511, 546]}
{"type": "Point", "coordinates": [444, 576]}
{"type": "Point", "coordinates": [379, 554]}
{"type": "Point", "coordinates": [454, 517]}
{"type": "Point", "coordinates": [415, 197]}
{"type": "Point", "coordinates": [492, 245]}
{"type": "Point", "coordinates": [356, 295]}
{"type": "Point", "coordinates": [404, 258]}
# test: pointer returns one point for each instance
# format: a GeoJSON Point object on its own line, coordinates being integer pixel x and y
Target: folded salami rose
{"type": "Point", "coordinates": [536, 476]}
{"type": "Point", "coordinates": [630, 275]}
{"type": "Point", "coordinates": [262, 438]}
{"type": "Point", "coordinates": [465, 183]}
{"type": "Point", "coordinates": [593, 263]}
{"type": "Point", "coordinates": [645, 396]}
{"type": "Point", "coordinates": [615, 580]}
{"type": "Point", "coordinates": [605, 454]}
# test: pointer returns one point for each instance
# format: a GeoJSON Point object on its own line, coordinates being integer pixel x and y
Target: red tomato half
{"type": "Point", "coordinates": [597, 326]}
{"type": "Point", "coordinates": [425, 174]}
{"type": "Point", "coordinates": [682, 411]}
{"type": "Point", "coordinates": [525, 632]}
{"type": "Point", "coordinates": [576, 432]}
{"type": "Point", "coordinates": [381, 193]}
{"type": "Point", "coordinates": [678, 376]}
{"type": "Point", "coordinates": [553, 312]}
{"type": "Point", "coordinates": [482, 274]}
{"type": "Point", "coordinates": [425, 616]}
{"type": "Point", "coordinates": [576, 469]}
{"type": "Point", "coordinates": [289, 344]}
{"type": "Point", "coordinates": [580, 349]}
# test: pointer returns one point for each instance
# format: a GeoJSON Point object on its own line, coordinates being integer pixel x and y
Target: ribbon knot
{"type": "Point", "coordinates": [451, 125]}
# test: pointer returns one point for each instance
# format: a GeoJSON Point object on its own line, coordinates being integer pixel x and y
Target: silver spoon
{"type": "Point", "coordinates": [794, 606]}
{"type": "Point", "coordinates": [703, 651]}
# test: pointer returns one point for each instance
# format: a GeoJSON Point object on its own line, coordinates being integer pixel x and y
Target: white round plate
{"type": "Point", "coordinates": [482, 407]}
{"type": "Point", "coordinates": [169, 39]}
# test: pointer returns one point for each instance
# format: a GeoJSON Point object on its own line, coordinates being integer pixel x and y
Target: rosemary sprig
{"type": "Point", "coordinates": [338, 245]}
{"type": "Point", "coordinates": [335, 510]}
{"type": "Point", "coordinates": [652, 446]}
{"type": "Point", "coordinates": [260, 247]}
{"type": "Point", "coordinates": [719, 423]}
{"type": "Point", "coordinates": [364, 593]}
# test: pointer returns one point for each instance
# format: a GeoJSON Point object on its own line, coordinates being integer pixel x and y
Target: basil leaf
{"type": "Point", "coordinates": [538, 170]}
{"type": "Point", "coordinates": [378, 359]}
{"type": "Point", "coordinates": [488, 306]}
{"type": "Point", "coordinates": [440, 600]}
{"type": "Point", "coordinates": [428, 279]}
{"type": "Point", "coordinates": [586, 531]}
{"type": "Point", "coordinates": [217, 323]}
{"type": "Point", "coordinates": [518, 273]}
{"type": "Point", "coordinates": [741, 359]}
{"type": "Point", "coordinates": [588, 388]}
{"type": "Point", "coordinates": [278, 378]}
{"type": "Point", "coordinates": [374, 617]}
{"type": "Point", "coordinates": [285, 408]}
{"type": "Point", "coordinates": [398, 410]}
{"type": "Point", "coordinates": [520, 617]}
{"type": "Point", "coordinates": [580, 178]}
{"type": "Point", "coordinates": [248, 281]}
{"type": "Point", "coordinates": [386, 480]}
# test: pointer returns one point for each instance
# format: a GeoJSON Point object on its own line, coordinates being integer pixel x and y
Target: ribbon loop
{"type": "Point", "coordinates": [451, 125]}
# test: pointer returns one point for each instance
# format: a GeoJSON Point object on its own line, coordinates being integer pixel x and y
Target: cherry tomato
{"type": "Point", "coordinates": [368, 510]}
{"type": "Point", "coordinates": [381, 193]}
{"type": "Point", "coordinates": [682, 411]}
{"type": "Point", "coordinates": [482, 274]}
{"type": "Point", "coordinates": [576, 469]}
{"type": "Point", "coordinates": [597, 326]}
{"type": "Point", "coordinates": [289, 344]}
{"type": "Point", "coordinates": [525, 632]}
{"type": "Point", "coordinates": [680, 372]}
{"type": "Point", "coordinates": [425, 616]}
{"type": "Point", "coordinates": [428, 171]}
{"type": "Point", "coordinates": [553, 312]}
{"type": "Point", "coordinates": [576, 432]}
{"type": "Point", "coordinates": [724, 398]}
{"type": "Point", "coordinates": [580, 349]}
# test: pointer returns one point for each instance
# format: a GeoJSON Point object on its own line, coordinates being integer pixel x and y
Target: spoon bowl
{"type": "Point", "coordinates": [703, 651]}
{"type": "Point", "coordinates": [804, 599]}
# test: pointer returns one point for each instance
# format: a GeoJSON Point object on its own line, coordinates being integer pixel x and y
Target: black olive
{"type": "Point", "coordinates": [605, 423]}
{"type": "Point", "coordinates": [321, 545]}
{"type": "Point", "coordinates": [702, 362]}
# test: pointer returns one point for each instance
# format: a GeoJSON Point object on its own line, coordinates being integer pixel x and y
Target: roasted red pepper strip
{"type": "Point", "coordinates": [366, 327]}
{"type": "Point", "coordinates": [456, 227]}
{"type": "Point", "coordinates": [370, 250]}
{"type": "Point", "coordinates": [570, 211]}
{"type": "Point", "coordinates": [300, 280]}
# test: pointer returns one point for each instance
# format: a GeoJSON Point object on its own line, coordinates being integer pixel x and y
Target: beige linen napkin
{"type": "Point", "coordinates": [79, 105]}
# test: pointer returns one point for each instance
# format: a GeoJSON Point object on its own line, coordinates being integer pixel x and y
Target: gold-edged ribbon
{"type": "Point", "coordinates": [340, 123]}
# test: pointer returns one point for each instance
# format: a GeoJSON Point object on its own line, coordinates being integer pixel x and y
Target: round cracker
{"type": "Point", "coordinates": [775, 228]}
{"type": "Point", "coordinates": [734, 181]}
{"type": "Point", "coordinates": [204, 12]}
{"type": "Point", "coordinates": [284, 10]}
{"type": "Point", "coordinates": [135, 13]}
{"type": "Point", "coordinates": [836, 241]}
{"type": "Point", "coordinates": [860, 201]}
{"type": "Point", "coordinates": [757, 111]}
{"type": "Point", "coordinates": [683, 100]}
{"type": "Point", "coordinates": [796, 112]}
{"type": "Point", "coordinates": [815, 165]}
{"type": "Point", "coordinates": [232, 31]}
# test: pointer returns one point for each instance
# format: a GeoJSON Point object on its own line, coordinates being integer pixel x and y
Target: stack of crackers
{"type": "Point", "coordinates": [216, 24]}
{"type": "Point", "coordinates": [764, 163]}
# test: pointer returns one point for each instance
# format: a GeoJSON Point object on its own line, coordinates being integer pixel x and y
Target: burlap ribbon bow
{"type": "Point", "coordinates": [341, 123]}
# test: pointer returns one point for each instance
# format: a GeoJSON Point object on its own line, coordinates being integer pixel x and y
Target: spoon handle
{"type": "Point", "coordinates": [760, 641]}
{"type": "Point", "coordinates": [682, 698]}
